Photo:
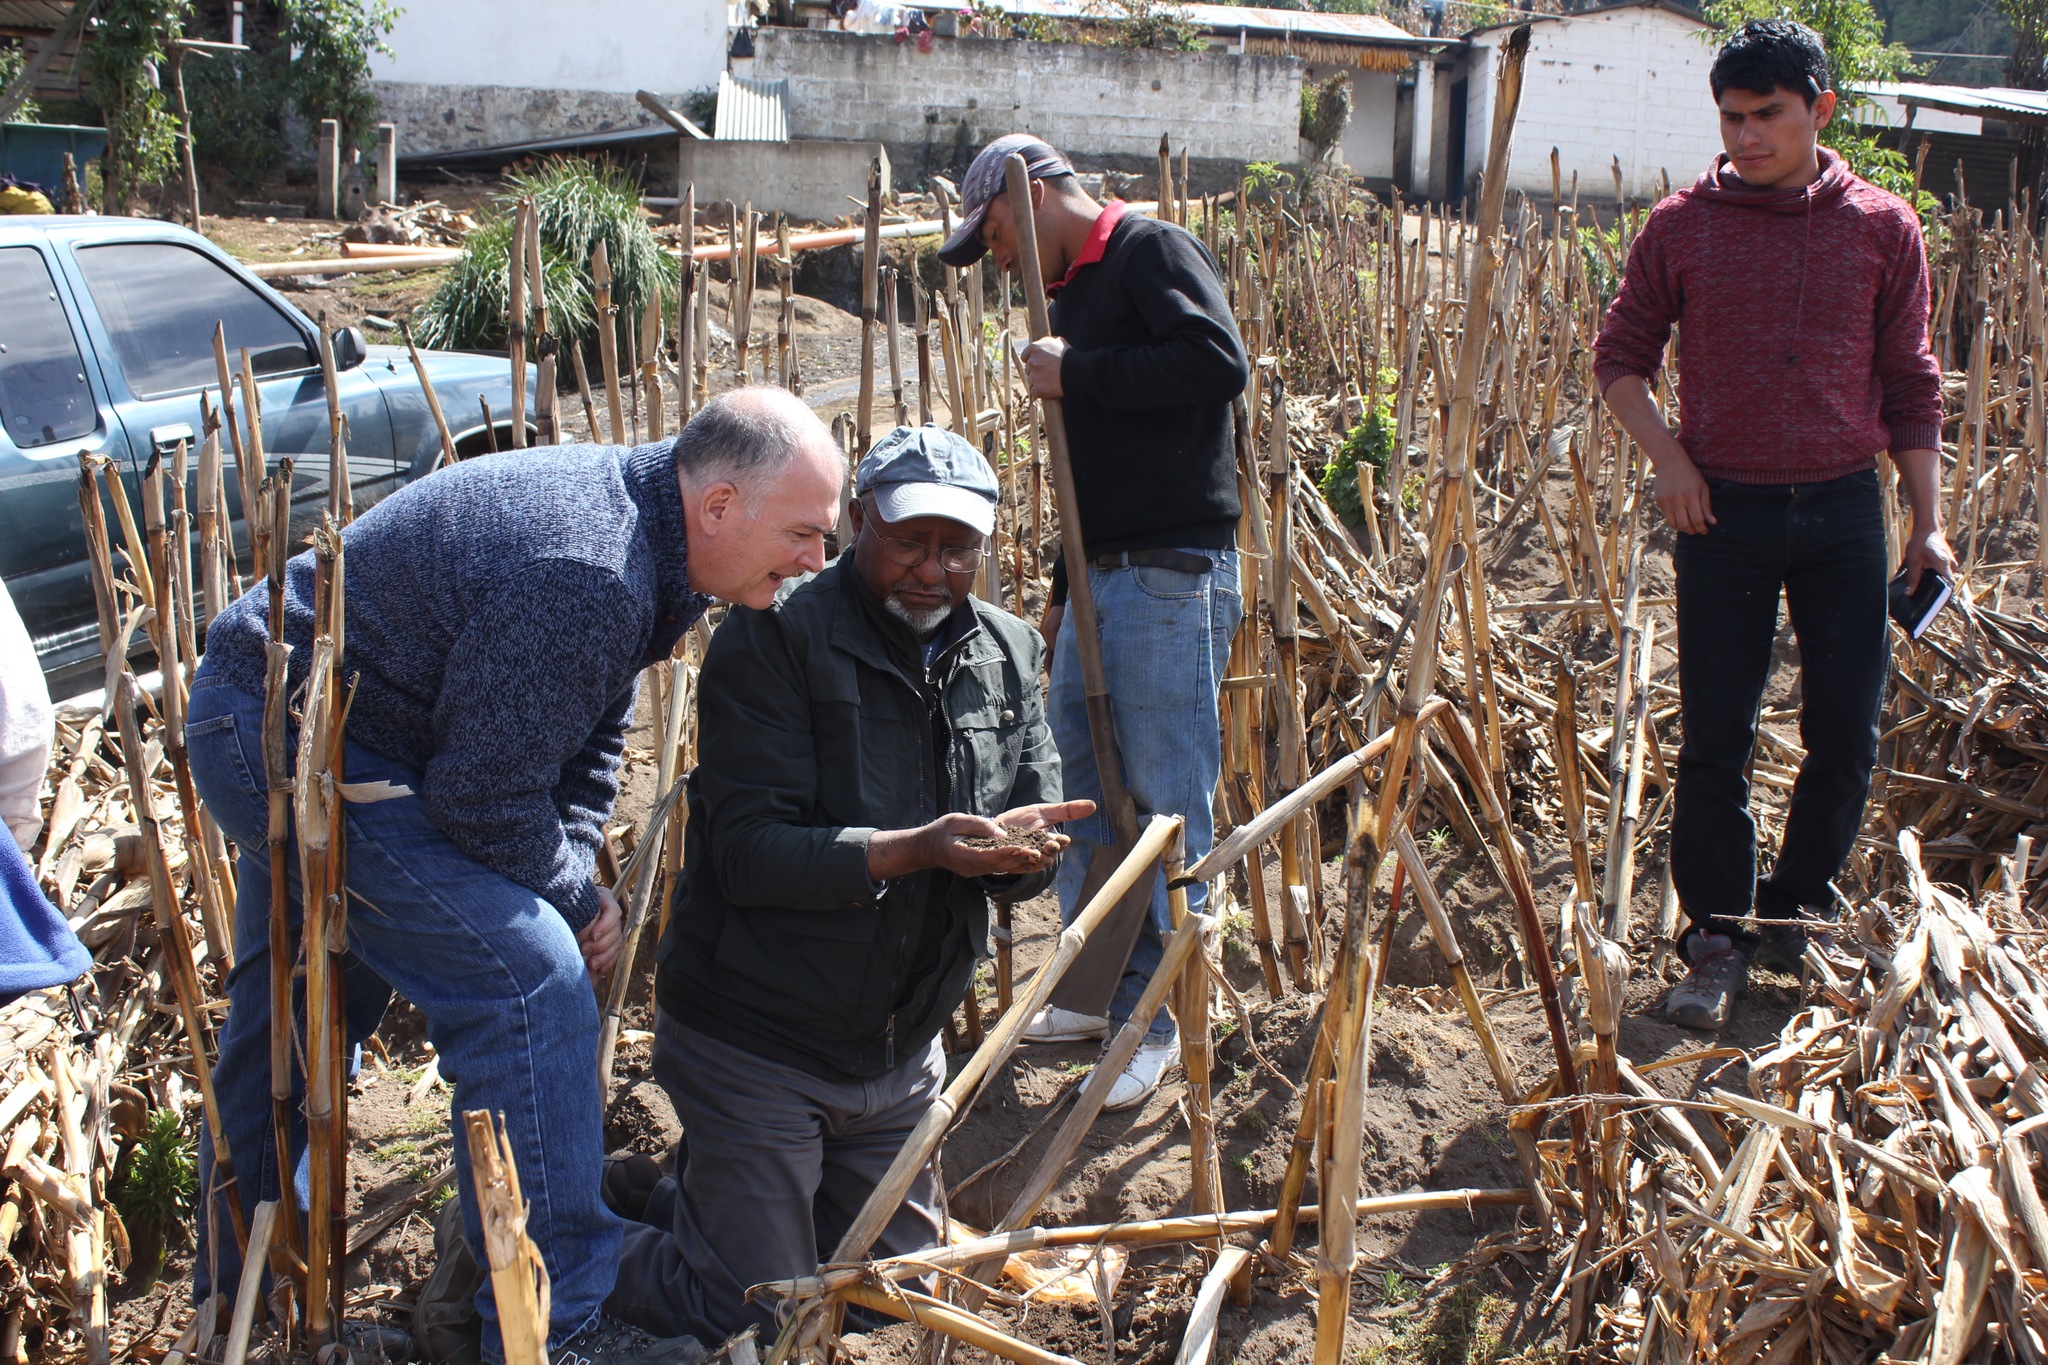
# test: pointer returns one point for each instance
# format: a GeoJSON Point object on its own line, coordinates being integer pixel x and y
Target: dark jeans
{"type": "Point", "coordinates": [1823, 543]}
{"type": "Point", "coordinates": [773, 1167]}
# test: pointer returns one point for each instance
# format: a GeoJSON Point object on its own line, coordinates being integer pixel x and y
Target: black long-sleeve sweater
{"type": "Point", "coordinates": [1153, 360]}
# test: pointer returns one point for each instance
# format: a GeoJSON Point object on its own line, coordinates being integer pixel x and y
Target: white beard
{"type": "Point", "coordinates": [922, 623]}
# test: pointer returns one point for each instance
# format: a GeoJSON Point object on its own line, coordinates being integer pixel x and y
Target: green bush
{"type": "Point", "coordinates": [1325, 109]}
{"type": "Point", "coordinates": [578, 203]}
{"type": "Point", "coordinates": [1370, 442]}
{"type": "Point", "coordinates": [154, 1190]}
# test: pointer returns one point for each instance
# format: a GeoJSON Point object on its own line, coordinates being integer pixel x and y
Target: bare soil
{"type": "Point", "coordinates": [1036, 840]}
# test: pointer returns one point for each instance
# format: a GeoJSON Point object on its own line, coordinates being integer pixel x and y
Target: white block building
{"type": "Point", "coordinates": [476, 73]}
{"type": "Point", "coordinates": [1624, 82]}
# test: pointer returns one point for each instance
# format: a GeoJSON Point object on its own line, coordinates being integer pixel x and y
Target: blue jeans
{"type": "Point", "coordinates": [1165, 644]}
{"type": "Point", "coordinates": [1823, 544]}
{"type": "Point", "coordinates": [492, 966]}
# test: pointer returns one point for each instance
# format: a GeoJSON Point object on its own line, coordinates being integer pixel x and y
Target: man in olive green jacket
{"type": "Point", "coordinates": [862, 743]}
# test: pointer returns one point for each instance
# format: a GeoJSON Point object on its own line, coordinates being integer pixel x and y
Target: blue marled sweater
{"type": "Point", "coordinates": [499, 614]}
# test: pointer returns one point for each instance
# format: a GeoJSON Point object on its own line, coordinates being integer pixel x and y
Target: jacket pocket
{"type": "Point", "coordinates": [991, 740]}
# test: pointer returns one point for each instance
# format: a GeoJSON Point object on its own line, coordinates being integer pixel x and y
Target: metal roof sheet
{"type": "Point", "coordinates": [509, 151]}
{"type": "Point", "coordinates": [1256, 20]}
{"type": "Point", "coordinates": [1995, 101]}
{"type": "Point", "coordinates": [752, 111]}
{"type": "Point", "coordinates": [1673, 7]}
{"type": "Point", "coordinates": [33, 16]}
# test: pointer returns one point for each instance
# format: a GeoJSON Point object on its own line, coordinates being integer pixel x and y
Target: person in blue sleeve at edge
{"type": "Point", "coordinates": [1146, 356]}
{"type": "Point", "coordinates": [861, 743]}
{"type": "Point", "coordinates": [498, 616]}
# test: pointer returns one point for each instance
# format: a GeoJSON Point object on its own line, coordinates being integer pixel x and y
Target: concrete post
{"type": "Point", "coordinates": [1422, 129]}
{"type": "Point", "coordinates": [327, 199]}
{"type": "Point", "coordinates": [387, 163]}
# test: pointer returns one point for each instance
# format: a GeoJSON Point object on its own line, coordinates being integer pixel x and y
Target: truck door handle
{"type": "Point", "coordinates": [164, 439]}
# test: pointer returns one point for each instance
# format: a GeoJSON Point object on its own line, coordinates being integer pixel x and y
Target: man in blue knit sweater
{"type": "Point", "coordinates": [498, 617]}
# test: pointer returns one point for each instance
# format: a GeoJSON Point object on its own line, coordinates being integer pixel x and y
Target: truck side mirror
{"type": "Point", "coordinates": [350, 349]}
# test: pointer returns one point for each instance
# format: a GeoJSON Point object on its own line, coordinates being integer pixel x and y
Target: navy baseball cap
{"type": "Point", "coordinates": [988, 178]}
{"type": "Point", "coordinates": [929, 472]}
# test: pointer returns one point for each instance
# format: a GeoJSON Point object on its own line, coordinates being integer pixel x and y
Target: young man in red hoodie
{"type": "Point", "coordinates": [1801, 296]}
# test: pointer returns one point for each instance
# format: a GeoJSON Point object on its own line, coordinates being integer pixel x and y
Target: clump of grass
{"type": "Point", "coordinates": [154, 1191]}
{"type": "Point", "coordinates": [577, 204]}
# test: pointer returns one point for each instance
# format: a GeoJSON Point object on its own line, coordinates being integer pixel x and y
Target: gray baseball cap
{"type": "Point", "coordinates": [929, 472]}
{"type": "Point", "coordinates": [987, 179]}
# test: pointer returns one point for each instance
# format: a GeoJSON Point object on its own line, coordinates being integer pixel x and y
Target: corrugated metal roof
{"type": "Point", "coordinates": [508, 151]}
{"type": "Point", "coordinates": [752, 111]}
{"type": "Point", "coordinates": [33, 16]}
{"type": "Point", "coordinates": [1992, 101]}
{"type": "Point", "coordinates": [1674, 7]}
{"type": "Point", "coordinates": [1308, 23]}
{"type": "Point", "coordinates": [1257, 21]}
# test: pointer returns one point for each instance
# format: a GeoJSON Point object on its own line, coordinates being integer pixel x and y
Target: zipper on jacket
{"type": "Point", "coordinates": [889, 1043]}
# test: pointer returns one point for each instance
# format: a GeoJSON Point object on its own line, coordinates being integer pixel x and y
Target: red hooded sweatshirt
{"type": "Point", "coordinates": [1803, 346]}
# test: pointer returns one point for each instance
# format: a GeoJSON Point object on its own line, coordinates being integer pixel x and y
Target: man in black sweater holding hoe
{"type": "Point", "coordinates": [1147, 357]}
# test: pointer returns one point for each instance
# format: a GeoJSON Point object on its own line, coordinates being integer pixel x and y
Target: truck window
{"type": "Point", "coordinates": [43, 393]}
{"type": "Point", "coordinates": [160, 302]}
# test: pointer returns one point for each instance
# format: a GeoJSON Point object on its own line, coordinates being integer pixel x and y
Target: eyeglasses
{"type": "Point", "coordinates": [911, 553]}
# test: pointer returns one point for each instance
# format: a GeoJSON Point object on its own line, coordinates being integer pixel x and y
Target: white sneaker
{"type": "Point", "coordinates": [1142, 1076]}
{"type": "Point", "coordinates": [1055, 1025]}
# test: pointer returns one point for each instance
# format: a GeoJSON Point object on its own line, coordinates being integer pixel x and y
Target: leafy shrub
{"type": "Point", "coordinates": [1325, 110]}
{"type": "Point", "coordinates": [1370, 442]}
{"type": "Point", "coordinates": [578, 203]}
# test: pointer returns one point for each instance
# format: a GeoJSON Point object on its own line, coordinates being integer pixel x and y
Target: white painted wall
{"type": "Point", "coordinates": [610, 45]}
{"type": "Point", "coordinates": [1087, 101]}
{"type": "Point", "coordinates": [1628, 83]}
{"type": "Point", "coordinates": [1367, 146]}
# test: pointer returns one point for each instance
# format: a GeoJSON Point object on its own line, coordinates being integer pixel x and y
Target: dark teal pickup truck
{"type": "Point", "coordinates": [106, 344]}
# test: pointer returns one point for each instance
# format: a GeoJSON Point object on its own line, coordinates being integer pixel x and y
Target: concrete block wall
{"type": "Point", "coordinates": [1628, 83]}
{"type": "Point", "coordinates": [801, 178]}
{"type": "Point", "coordinates": [1104, 106]}
{"type": "Point", "coordinates": [476, 73]}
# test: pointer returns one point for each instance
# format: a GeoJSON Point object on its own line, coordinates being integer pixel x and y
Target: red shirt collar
{"type": "Point", "coordinates": [1097, 243]}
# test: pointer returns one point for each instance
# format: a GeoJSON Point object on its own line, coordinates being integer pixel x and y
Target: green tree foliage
{"type": "Point", "coordinates": [12, 60]}
{"type": "Point", "coordinates": [1154, 23]}
{"type": "Point", "coordinates": [2027, 65]}
{"type": "Point", "coordinates": [330, 73]}
{"type": "Point", "coordinates": [124, 61]}
{"type": "Point", "coordinates": [1859, 54]}
{"type": "Point", "coordinates": [307, 57]}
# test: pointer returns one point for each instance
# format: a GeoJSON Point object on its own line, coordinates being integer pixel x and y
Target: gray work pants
{"type": "Point", "coordinates": [773, 1166]}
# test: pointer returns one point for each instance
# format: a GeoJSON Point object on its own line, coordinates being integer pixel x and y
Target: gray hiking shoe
{"type": "Point", "coordinates": [607, 1341]}
{"type": "Point", "coordinates": [1718, 972]}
